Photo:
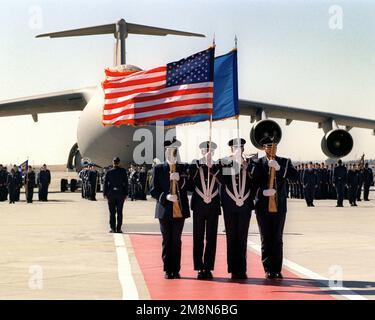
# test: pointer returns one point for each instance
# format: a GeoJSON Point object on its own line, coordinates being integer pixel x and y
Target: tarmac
{"type": "Point", "coordinates": [61, 249]}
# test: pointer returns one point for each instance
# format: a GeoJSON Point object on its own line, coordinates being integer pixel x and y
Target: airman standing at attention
{"type": "Point", "coordinates": [30, 184]}
{"type": "Point", "coordinates": [169, 188]}
{"type": "Point", "coordinates": [310, 183]}
{"type": "Point", "coordinates": [237, 202]}
{"type": "Point", "coordinates": [19, 183]}
{"type": "Point", "coordinates": [12, 183]}
{"type": "Point", "coordinates": [205, 204]}
{"type": "Point", "coordinates": [368, 180]}
{"type": "Point", "coordinates": [271, 206]}
{"type": "Point", "coordinates": [353, 183]}
{"type": "Point", "coordinates": [339, 177]}
{"type": "Point", "coordinates": [115, 190]}
{"type": "Point", "coordinates": [44, 181]}
{"type": "Point", "coordinates": [3, 183]}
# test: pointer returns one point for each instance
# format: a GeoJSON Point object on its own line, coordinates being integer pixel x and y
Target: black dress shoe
{"type": "Point", "coordinates": [112, 231]}
{"type": "Point", "coordinates": [242, 276]}
{"type": "Point", "coordinates": [201, 275]}
{"type": "Point", "coordinates": [119, 231]}
{"type": "Point", "coordinates": [279, 275]}
{"type": "Point", "coordinates": [270, 275]}
{"type": "Point", "coordinates": [168, 275]}
{"type": "Point", "coordinates": [239, 276]}
{"type": "Point", "coordinates": [208, 275]}
{"type": "Point", "coordinates": [176, 275]}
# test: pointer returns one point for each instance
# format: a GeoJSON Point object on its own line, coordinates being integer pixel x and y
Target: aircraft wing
{"type": "Point", "coordinates": [254, 110]}
{"type": "Point", "coordinates": [63, 101]}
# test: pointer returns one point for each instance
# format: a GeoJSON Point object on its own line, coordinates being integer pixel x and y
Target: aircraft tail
{"type": "Point", "coordinates": [114, 28]}
{"type": "Point", "coordinates": [120, 30]}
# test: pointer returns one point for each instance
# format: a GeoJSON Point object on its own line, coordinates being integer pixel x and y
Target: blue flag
{"type": "Point", "coordinates": [24, 167]}
{"type": "Point", "coordinates": [225, 104]}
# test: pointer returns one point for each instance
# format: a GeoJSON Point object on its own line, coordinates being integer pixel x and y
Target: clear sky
{"type": "Point", "coordinates": [288, 55]}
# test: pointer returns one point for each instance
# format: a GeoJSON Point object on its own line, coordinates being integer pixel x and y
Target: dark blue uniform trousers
{"type": "Point", "coordinates": [271, 227]}
{"type": "Point", "coordinates": [237, 221]}
{"type": "Point", "coordinates": [115, 205]}
{"type": "Point", "coordinates": [171, 230]}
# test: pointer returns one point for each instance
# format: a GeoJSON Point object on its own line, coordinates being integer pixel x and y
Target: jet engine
{"type": "Point", "coordinates": [263, 129]}
{"type": "Point", "coordinates": [337, 143]}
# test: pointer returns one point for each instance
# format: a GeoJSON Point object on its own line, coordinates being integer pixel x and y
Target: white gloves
{"type": "Point", "coordinates": [174, 176]}
{"type": "Point", "coordinates": [269, 192]}
{"type": "Point", "coordinates": [172, 197]}
{"type": "Point", "coordinates": [274, 164]}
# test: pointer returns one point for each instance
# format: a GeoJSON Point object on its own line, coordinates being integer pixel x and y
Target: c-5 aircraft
{"type": "Point", "coordinates": [100, 144]}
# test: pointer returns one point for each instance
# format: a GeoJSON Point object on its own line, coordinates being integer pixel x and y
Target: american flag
{"type": "Point", "coordinates": [176, 90]}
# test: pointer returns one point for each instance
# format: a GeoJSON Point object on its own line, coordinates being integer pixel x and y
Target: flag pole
{"type": "Point", "coordinates": [210, 133]}
{"type": "Point", "coordinates": [238, 125]}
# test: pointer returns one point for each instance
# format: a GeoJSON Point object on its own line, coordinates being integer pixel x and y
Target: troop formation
{"type": "Point", "coordinates": [139, 180]}
{"type": "Point", "coordinates": [90, 178]}
{"type": "Point", "coordinates": [236, 184]}
{"type": "Point", "coordinates": [12, 181]}
{"type": "Point", "coordinates": [336, 181]}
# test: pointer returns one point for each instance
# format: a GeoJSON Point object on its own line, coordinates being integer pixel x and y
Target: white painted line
{"type": "Point", "coordinates": [129, 289]}
{"type": "Point", "coordinates": [294, 267]}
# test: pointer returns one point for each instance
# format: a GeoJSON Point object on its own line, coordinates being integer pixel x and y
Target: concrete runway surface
{"type": "Point", "coordinates": [62, 250]}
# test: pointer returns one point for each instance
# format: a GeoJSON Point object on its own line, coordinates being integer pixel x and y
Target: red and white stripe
{"type": "Point", "coordinates": [141, 97]}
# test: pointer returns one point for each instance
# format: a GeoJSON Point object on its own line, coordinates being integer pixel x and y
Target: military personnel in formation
{"type": "Point", "coordinates": [331, 183]}
{"type": "Point", "coordinates": [44, 180]}
{"type": "Point", "coordinates": [115, 190]}
{"type": "Point", "coordinates": [29, 184]}
{"type": "Point", "coordinates": [12, 184]}
{"type": "Point", "coordinates": [353, 184]}
{"type": "Point", "coordinates": [339, 178]}
{"type": "Point", "coordinates": [3, 183]}
{"type": "Point", "coordinates": [324, 181]}
{"type": "Point", "coordinates": [19, 183]}
{"type": "Point", "coordinates": [368, 180]}
{"type": "Point", "coordinates": [237, 197]}
{"type": "Point", "coordinates": [300, 180]}
{"type": "Point", "coordinates": [294, 185]}
{"type": "Point", "coordinates": [310, 184]}
{"type": "Point", "coordinates": [271, 224]}
{"type": "Point", "coordinates": [143, 183]}
{"type": "Point", "coordinates": [318, 172]}
{"type": "Point", "coordinates": [169, 187]}
{"type": "Point", "coordinates": [149, 174]}
{"type": "Point", "coordinates": [92, 180]}
{"type": "Point", "coordinates": [360, 170]}
{"type": "Point", "coordinates": [133, 181]}
{"type": "Point", "coordinates": [300, 194]}
{"type": "Point", "coordinates": [205, 204]}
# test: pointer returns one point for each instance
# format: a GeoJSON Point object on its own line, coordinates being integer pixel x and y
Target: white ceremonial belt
{"type": "Point", "coordinates": [207, 198]}
{"type": "Point", "coordinates": [238, 200]}
{"type": "Point", "coordinates": [206, 193]}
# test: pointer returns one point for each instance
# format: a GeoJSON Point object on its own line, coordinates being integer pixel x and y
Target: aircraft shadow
{"type": "Point", "coordinates": [368, 286]}
{"type": "Point", "coordinates": [359, 287]}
